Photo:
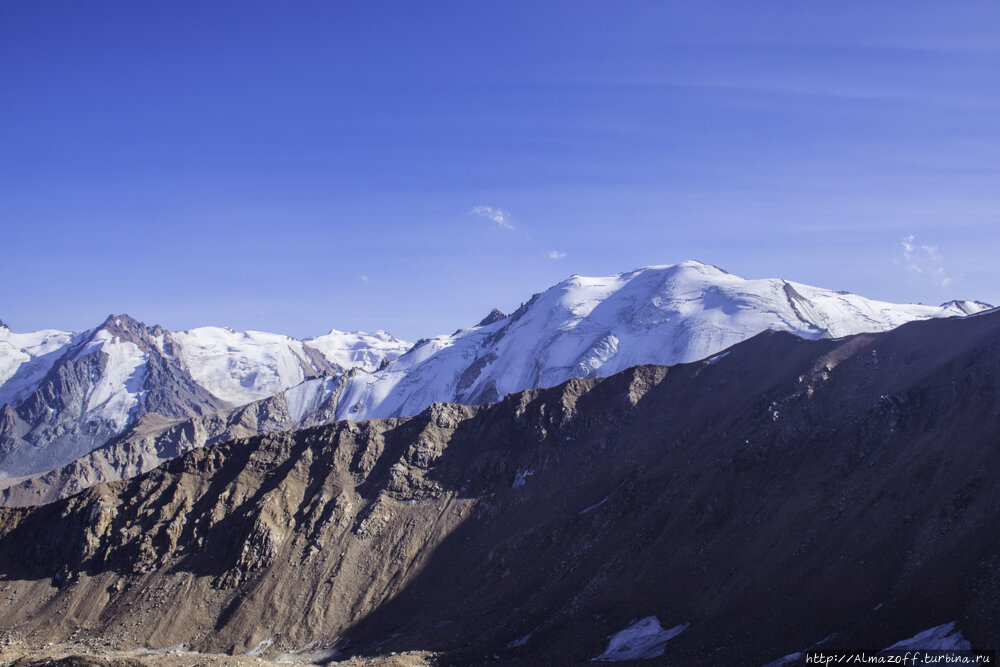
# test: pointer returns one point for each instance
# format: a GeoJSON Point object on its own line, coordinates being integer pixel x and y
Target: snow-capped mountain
{"type": "Point", "coordinates": [124, 397]}
{"type": "Point", "coordinates": [64, 394]}
{"type": "Point", "coordinates": [150, 440]}
{"type": "Point", "coordinates": [846, 486]}
{"type": "Point", "coordinates": [595, 327]}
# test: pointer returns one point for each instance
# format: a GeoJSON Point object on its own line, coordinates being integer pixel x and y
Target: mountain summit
{"type": "Point", "coordinates": [495, 316]}
{"type": "Point", "coordinates": [595, 327]}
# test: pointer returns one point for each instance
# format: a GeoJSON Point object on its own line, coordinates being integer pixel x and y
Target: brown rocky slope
{"type": "Point", "coordinates": [776, 495]}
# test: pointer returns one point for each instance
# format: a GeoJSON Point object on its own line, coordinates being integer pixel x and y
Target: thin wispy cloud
{"type": "Point", "coordinates": [364, 279]}
{"type": "Point", "coordinates": [555, 254]}
{"type": "Point", "coordinates": [924, 261]}
{"type": "Point", "coordinates": [497, 215]}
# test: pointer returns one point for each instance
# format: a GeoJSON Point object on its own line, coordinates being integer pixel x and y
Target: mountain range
{"type": "Point", "coordinates": [65, 394]}
{"type": "Point", "coordinates": [114, 401]}
{"type": "Point", "coordinates": [835, 493]}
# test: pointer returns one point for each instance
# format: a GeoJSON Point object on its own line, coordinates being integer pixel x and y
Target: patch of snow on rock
{"type": "Point", "coordinates": [642, 640]}
{"type": "Point", "coordinates": [261, 647]}
{"type": "Point", "coordinates": [940, 638]}
{"type": "Point", "coordinates": [521, 478]}
{"type": "Point", "coordinates": [787, 660]}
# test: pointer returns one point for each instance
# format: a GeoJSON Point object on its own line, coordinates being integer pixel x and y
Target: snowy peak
{"type": "Point", "coordinates": [129, 329]}
{"type": "Point", "coordinates": [596, 326]}
{"type": "Point", "coordinates": [118, 330]}
{"type": "Point", "coordinates": [72, 392]}
{"type": "Point", "coordinates": [123, 321]}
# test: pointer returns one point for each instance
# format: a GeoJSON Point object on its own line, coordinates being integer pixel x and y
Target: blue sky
{"type": "Point", "coordinates": [294, 167]}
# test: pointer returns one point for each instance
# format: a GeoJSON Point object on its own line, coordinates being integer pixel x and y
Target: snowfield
{"type": "Point", "coordinates": [244, 366]}
{"type": "Point", "coordinates": [361, 350]}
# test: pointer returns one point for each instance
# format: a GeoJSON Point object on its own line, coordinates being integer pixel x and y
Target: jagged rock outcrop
{"type": "Point", "coordinates": [846, 487]}
{"type": "Point", "coordinates": [494, 315]}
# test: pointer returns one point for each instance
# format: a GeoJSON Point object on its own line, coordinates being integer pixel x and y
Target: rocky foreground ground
{"type": "Point", "coordinates": [16, 654]}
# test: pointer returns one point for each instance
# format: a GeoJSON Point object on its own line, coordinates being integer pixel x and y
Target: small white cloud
{"type": "Point", "coordinates": [497, 215]}
{"type": "Point", "coordinates": [924, 260]}
{"type": "Point", "coordinates": [555, 254]}
{"type": "Point", "coordinates": [364, 279]}
{"type": "Point", "coordinates": [907, 243]}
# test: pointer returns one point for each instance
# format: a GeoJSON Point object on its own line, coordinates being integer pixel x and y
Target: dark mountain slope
{"type": "Point", "coordinates": [783, 492]}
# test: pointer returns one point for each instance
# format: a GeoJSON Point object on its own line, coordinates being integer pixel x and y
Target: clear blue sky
{"type": "Point", "coordinates": [297, 166]}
